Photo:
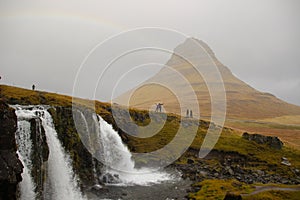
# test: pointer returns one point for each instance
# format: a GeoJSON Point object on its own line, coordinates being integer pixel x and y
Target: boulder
{"type": "Point", "coordinates": [285, 161]}
{"type": "Point", "coordinates": [110, 178]}
{"type": "Point", "coordinates": [190, 161]}
{"type": "Point", "coordinates": [271, 141]}
{"type": "Point", "coordinates": [232, 196]}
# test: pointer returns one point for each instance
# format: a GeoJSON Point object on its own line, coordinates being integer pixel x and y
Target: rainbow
{"type": "Point", "coordinates": [59, 15]}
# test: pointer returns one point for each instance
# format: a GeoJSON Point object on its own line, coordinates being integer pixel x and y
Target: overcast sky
{"type": "Point", "coordinates": [44, 42]}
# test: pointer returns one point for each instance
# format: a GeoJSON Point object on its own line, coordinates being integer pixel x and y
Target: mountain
{"type": "Point", "coordinates": [243, 101]}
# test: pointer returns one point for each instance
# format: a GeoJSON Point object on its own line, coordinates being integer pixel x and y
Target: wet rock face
{"type": "Point", "coordinates": [83, 162]}
{"type": "Point", "coordinates": [273, 142]}
{"type": "Point", "coordinates": [110, 178]}
{"type": "Point", "coordinates": [10, 165]}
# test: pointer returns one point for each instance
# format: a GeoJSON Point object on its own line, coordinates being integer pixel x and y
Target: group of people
{"type": "Point", "coordinates": [189, 113]}
{"type": "Point", "coordinates": [40, 113]}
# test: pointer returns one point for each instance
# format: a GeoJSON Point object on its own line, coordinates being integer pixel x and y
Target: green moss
{"type": "Point", "coordinates": [217, 189]}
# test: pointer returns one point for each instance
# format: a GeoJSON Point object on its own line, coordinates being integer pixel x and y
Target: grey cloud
{"type": "Point", "coordinates": [45, 42]}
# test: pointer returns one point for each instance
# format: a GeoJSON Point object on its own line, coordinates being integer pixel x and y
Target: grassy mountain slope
{"type": "Point", "coordinates": [243, 101]}
{"type": "Point", "coordinates": [232, 152]}
{"type": "Point", "coordinates": [230, 139]}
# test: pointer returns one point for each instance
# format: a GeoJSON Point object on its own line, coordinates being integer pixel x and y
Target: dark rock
{"type": "Point", "coordinates": [190, 161]}
{"type": "Point", "coordinates": [10, 165]}
{"type": "Point", "coordinates": [232, 196]}
{"type": "Point", "coordinates": [110, 178]}
{"type": "Point", "coordinates": [98, 189]}
{"type": "Point", "coordinates": [273, 142]}
{"type": "Point", "coordinates": [39, 155]}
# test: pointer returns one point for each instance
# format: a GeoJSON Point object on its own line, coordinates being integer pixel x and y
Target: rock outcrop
{"type": "Point", "coordinates": [39, 155]}
{"type": "Point", "coordinates": [273, 142]}
{"type": "Point", "coordinates": [11, 167]}
{"type": "Point", "coordinates": [232, 196]}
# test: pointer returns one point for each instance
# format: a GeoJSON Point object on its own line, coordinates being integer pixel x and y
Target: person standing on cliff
{"type": "Point", "coordinates": [33, 87]}
{"type": "Point", "coordinates": [158, 107]}
{"type": "Point", "coordinates": [187, 113]}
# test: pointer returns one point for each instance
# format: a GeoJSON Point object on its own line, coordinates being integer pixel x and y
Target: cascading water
{"type": "Point", "coordinates": [92, 142]}
{"type": "Point", "coordinates": [26, 186]}
{"type": "Point", "coordinates": [61, 182]}
{"type": "Point", "coordinates": [24, 143]}
{"type": "Point", "coordinates": [117, 159]}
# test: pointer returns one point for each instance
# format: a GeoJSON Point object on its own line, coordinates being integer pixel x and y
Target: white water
{"type": "Point", "coordinates": [24, 143]}
{"type": "Point", "coordinates": [61, 182]}
{"type": "Point", "coordinates": [26, 186]}
{"type": "Point", "coordinates": [118, 160]}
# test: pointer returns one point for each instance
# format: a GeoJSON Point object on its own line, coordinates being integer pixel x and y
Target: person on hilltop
{"type": "Point", "coordinates": [187, 113]}
{"type": "Point", "coordinates": [33, 87]}
{"type": "Point", "coordinates": [158, 107]}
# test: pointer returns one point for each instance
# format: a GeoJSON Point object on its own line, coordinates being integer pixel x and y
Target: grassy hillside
{"type": "Point", "coordinates": [286, 119]}
{"type": "Point", "coordinates": [230, 139]}
{"type": "Point", "coordinates": [289, 133]}
{"type": "Point", "coordinates": [231, 151]}
{"type": "Point", "coordinates": [15, 95]}
{"type": "Point", "coordinates": [217, 189]}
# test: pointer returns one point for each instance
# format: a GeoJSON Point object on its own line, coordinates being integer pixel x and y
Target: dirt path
{"type": "Point", "coordinates": [260, 189]}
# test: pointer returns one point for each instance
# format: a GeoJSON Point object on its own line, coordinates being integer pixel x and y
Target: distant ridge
{"type": "Point", "coordinates": [243, 101]}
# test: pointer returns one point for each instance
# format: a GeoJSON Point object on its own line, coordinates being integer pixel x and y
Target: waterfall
{"type": "Point", "coordinates": [61, 181]}
{"type": "Point", "coordinates": [26, 186]}
{"type": "Point", "coordinates": [119, 163]}
{"type": "Point", "coordinates": [90, 138]}
{"type": "Point", "coordinates": [24, 143]}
